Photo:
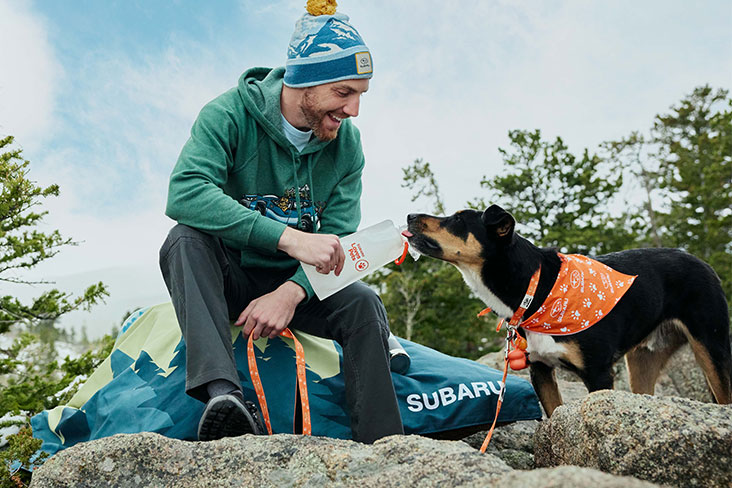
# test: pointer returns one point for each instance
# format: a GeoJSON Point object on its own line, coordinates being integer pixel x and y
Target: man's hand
{"type": "Point", "coordinates": [323, 251]}
{"type": "Point", "coordinates": [270, 314]}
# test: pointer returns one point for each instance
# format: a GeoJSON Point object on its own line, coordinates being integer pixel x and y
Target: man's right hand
{"type": "Point", "coordinates": [323, 251]}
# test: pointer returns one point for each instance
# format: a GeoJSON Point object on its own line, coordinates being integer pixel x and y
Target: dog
{"type": "Point", "coordinates": [669, 298]}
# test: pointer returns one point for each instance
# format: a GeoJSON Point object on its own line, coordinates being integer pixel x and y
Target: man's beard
{"type": "Point", "coordinates": [314, 117]}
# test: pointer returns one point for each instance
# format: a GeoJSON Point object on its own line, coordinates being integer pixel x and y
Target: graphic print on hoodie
{"type": "Point", "coordinates": [285, 208]}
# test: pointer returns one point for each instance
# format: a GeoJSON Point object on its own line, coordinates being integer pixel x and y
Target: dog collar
{"type": "Point", "coordinates": [525, 303]}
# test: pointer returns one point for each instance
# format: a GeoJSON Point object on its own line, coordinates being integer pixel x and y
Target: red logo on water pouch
{"type": "Point", "coordinates": [355, 252]}
{"type": "Point", "coordinates": [362, 265]}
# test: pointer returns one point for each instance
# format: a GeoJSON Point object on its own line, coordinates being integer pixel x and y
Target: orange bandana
{"type": "Point", "coordinates": [585, 291]}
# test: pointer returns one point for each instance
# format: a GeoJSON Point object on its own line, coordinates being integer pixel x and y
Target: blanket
{"type": "Point", "coordinates": [140, 387]}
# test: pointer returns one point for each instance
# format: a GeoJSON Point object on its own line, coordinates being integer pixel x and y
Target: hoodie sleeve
{"type": "Point", "coordinates": [342, 212]}
{"type": "Point", "coordinates": [195, 194]}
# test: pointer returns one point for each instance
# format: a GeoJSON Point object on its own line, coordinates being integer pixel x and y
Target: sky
{"type": "Point", "coordinates": [101, 95]}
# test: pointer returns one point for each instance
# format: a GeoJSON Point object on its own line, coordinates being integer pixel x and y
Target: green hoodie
{"type": "Point", "coordinates": [238, 165]}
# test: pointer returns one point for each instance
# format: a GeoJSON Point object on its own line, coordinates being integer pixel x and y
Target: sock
{"type": "Point", "coordinates": [223, 387]}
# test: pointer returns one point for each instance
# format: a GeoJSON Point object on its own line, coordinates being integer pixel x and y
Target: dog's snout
{"type": "Point", "coordinates": [412, 217]}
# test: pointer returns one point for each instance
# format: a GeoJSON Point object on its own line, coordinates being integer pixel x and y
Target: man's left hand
{"type": "Point", "coordinates": [270, 314]}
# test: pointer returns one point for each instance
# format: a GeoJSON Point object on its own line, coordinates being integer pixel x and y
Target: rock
{"type": "Point", "coordinates": [570, 477]}
{"type": "Point", "coordinates": [133, 460]}
{"type": "Point", "coordinates": [669, 440]}
{"type": "Point", "coordinates": [513, 443]}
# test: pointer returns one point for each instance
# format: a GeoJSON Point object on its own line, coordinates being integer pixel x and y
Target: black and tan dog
{"type": "Point", "coordinates": [676, 298]}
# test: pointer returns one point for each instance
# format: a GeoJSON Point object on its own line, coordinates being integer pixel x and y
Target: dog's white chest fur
{"type": "Point", "coordinates": [474, 281]}
{"type": "Point", "coordinates": [542, 347]}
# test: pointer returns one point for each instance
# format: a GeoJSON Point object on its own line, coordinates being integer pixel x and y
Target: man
{"type": "Point", "coordinates": [270, 176]}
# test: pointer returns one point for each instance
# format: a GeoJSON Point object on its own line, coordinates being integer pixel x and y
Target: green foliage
{"type": "Point", "coordinates": [31, 379]}
{"type": "Point", "coordinates": [22, 447]}
{"type": "Point", "coordinates": [696, 172]}
{"type": "Point", "coordinates": [31, 384]}
{"type": "Point", "coordinates": [684, 167]}
{"type": "Point", "coordinates": [671, 188]}
{"type": "Point", "coordinates": [22, 247]}
{"type": "Point", "coordinates": [427, 300]}
{"type": "Point", "coordinates": [558, 199]}
{"type": "Point", "coordinates": [635, 156]}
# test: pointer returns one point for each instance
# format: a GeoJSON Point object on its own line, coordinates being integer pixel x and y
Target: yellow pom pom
{"type": "Point", "coordinates": [321, 7]}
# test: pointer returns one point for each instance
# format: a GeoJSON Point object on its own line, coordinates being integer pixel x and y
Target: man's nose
{"type": "Point", "coordinates": [352, 107]}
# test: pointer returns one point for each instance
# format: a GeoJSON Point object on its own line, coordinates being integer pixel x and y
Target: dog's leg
{"type": "Point", "coordinates": [716, 369]}
{"type": "Point", "coordinates": [545, 384]}
{"type": "Point", "coordinates": [713, 356]}
{"type": "Point", "coordinates": [598, 378]}
{"type": "Point", "coordinates": [644, 365]}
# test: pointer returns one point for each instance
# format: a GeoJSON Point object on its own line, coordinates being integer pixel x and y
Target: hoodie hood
{"type": "Point", "coordinates": [260, 90]}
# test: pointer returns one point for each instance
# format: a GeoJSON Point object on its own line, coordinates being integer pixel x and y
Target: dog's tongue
{"type": "Point", "coordinates": [407, 234]}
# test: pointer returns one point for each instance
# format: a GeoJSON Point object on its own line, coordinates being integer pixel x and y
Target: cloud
{"type": "Point", "coordinates": [30, 76]}
{"type": "Point", "coordinates": [451, 79]}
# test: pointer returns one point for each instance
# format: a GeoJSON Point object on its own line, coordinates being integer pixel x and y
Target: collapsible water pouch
{"type": "Point", "coordinates": [366, 251]}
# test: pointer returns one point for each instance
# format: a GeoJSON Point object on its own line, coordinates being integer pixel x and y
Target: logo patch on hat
{"type": "Point", "coordinates": [363, 63]}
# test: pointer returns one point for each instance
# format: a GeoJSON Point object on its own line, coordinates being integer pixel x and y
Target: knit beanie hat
{"type": "Point", "coordinates": [325, 48]}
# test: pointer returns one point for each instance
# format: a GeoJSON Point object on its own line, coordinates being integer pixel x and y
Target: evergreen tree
{"type": "Point", "coordinates": [427, 300]}
{"type": "Point", "coordinates": [684, 170]}
{"type": "Point", "coordinates": [22, 246]}
{"type": "Point", "coordinates": [31, 379]}
{"type": "Point", "coordinates": [558, 199]}
{"type": "Point", "coordinates": [695, 142]}
{"type": "Point", "coordinates": [637, 157]}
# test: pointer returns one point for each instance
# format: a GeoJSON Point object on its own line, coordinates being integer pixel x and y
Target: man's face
{"type": "Point", "coordinates": [326, 106]}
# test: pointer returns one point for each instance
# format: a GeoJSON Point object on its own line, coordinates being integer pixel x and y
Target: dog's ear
{"type": "Point", "coordinates": [499, 221]}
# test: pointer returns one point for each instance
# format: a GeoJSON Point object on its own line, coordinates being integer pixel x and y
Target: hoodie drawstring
{"type": "Point", "coordinates": [298, 205]}
{"type": "Point", "coordinates": [316, 218]}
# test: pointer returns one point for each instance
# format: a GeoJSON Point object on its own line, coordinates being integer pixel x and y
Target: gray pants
{"type": "Point", "coordinates": [209, 288]}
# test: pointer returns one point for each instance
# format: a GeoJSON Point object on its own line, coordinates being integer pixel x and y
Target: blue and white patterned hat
{"type": "Point", "coordinates": [323, 49]}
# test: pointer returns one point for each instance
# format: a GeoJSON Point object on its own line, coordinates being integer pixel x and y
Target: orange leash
{"type": "Point", "coordinates": [301, 383]}
{"type": "Point", "coordinates": [516, 357]}
{"type": "Point", "coordinates": [498, 404]}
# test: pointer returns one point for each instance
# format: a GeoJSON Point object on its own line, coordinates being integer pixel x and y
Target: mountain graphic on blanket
{"type": "Point", "coordinates": [140, 387]}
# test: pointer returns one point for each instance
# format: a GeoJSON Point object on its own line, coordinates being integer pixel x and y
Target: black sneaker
{"type": "Point", "coordinates": [228, 416]}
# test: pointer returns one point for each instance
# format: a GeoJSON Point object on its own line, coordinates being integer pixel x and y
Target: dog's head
{"type": "Point", "coordinates": [465, 239]}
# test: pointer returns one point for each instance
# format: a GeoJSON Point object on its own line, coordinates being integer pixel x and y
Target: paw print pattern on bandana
{"type": "Point", "coordinates": [602, 288]}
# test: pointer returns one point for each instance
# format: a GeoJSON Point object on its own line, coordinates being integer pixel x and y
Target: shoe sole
{"type": "Point", "coordinates": [225, 416]}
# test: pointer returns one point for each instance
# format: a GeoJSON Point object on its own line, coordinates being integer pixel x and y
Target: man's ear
{"type": "Point", "coordinates": [498, 222]}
